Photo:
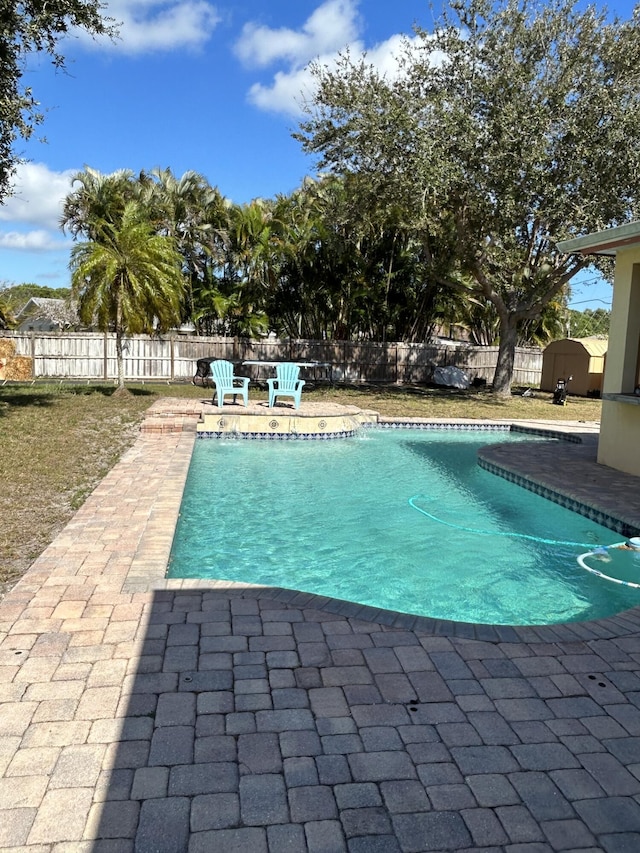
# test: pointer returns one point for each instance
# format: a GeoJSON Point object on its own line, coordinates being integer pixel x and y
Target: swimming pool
{"type": "Point", "coordinates": [377, 520]}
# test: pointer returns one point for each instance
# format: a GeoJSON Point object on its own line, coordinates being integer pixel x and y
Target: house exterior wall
{"type": "Point", "coordinates": [619, 444]}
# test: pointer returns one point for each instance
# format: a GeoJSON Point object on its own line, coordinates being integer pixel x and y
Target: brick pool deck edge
{"type": "Point", "coordinates": [145, 715]}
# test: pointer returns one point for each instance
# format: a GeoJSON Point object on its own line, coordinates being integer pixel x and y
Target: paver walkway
{"type": "Point", "coordinates": [138, 714]}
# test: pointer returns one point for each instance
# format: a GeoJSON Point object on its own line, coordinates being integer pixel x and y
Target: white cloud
{"type": "Point", "coordinates": [154, 25]}
{"type": "Point", "coordinates": [31, 241]}
{"type": "Point", "coordinates": [38, 197]}
{"type": "Point", "coordinates": [285, 94]}
{"type": "Point", "coordinates": [329, 28]}
{"type": "Point", "coordinates": [35, 208]}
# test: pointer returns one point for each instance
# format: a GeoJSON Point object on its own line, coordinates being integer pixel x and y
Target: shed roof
{"type": "Point", "coordinates": [593, 346]}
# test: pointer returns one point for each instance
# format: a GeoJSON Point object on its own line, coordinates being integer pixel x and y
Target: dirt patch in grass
{"type": "Point", "coordinates": [59, 441]}
{"type": "Point", "coordinates": [57, 444]}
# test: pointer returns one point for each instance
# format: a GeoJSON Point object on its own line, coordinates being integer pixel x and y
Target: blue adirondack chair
{"type": "Point", "coordinates": [286, 384]}
{"type": "Point", "coordinates": [226, 383]}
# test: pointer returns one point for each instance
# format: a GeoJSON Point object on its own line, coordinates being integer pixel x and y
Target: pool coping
{"type": "Point", "coordinates": [148, 567]}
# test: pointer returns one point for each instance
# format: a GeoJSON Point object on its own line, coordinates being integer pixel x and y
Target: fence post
{"type": "Point", "coordinates": [33, 355]}
{"type": "Point", "coordinates": [171, 357]}
{"type": "Point", "coordinates": [105, 371]}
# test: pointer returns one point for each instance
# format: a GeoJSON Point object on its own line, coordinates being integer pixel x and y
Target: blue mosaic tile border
{"type": "Point", "coordinates": [481, 427]}
{"type": "Point", "coordinates": [574, 505]}
{"type": "Point", "coordinates": [406, 425]}
{"type": "Point", "coordinates": [261, 436]}
{"type": "Point", "coordinates": [457, 427]}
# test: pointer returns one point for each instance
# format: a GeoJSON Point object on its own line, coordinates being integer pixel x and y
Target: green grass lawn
{"type": "Point", "coordinates": [59, 440]}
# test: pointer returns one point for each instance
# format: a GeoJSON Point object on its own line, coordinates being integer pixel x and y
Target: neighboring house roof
{"type": "Point", "coordinates": [46, 314]}
{"type": "Point", "coordinates": [603, 242]}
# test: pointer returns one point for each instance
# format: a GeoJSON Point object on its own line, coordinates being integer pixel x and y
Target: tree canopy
{"type": "Point", "coordinates": [27, 28]}
{"type": "Point", "coordinates": [508, 128]}
{"type": "Point", "coordinates": [18, 295]}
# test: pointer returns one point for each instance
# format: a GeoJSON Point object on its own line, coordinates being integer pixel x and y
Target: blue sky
{"type": "Point", "coordinates": [191, 84]}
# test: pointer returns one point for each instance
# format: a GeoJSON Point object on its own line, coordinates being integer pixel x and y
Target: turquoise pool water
{"type": "Point", "coordinates": [335, 518]}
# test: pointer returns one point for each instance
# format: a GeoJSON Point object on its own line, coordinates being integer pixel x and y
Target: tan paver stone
{"type": "Point", "coordinates": [50, 645]}
{"type": "Point", "coordinates": [35, 626]}
{"type": "Point", "coordinates": [55, 579]}
{"type": "Point", "coordinates": [12, 610]}
{"type": "Point", "coordinates": [130, 651]}
{"type": "Point", "coordinates": [120, 632]}
{"type": "Point", "coordinates": [72, 671]}
{"type": "Point", "coordinates": [106, 731]}
{"type": "Point", "coordinates": [84, 625]}
{"type": "Point", "coordinates": [18, 642]}
{"type": "Point", "coordinates": [22, 791]}
{"type": "Point", "coordinates": [29, 762]}
{"type": "Point", "coordinates": [56, 733]}
{"type": "Point", "coordinates": [37, 669]}
{"type": "Point", "coordinates": [98, 610]}
{"type": "Point", "coordinates": [69, 609]}
{"type": "Point", "coordinates": [82, 589]}
{"type": "Point", "coordinates": [11, 692]}
{"type": "Point", "coordinates": [87, 653]}
{"type": "Point", "coordinates": [12, 656]}
{"type": "Point", "coordinates": [107, 673]}
{"type": "Point", "coordinates": [104, 596]}
{"type": "Point", "coordinates": [14, 827]}
{"type": "Point", "coordinates": [55, 690]}
{"type": "Point", "coordinates": [98, 702]}
{"type": "Point", "coordinates": [74, 804]}
{"type": "Point", "coordinates": [8, 673]}
{"type": "Point", "coordinates": [147, 599]}
{"type": "Point", "coordinates": [56, 710]}
{"type": "Point", "coordinates": [15, 717]}
{"type": "Point", "coordinates": [127, 613]}
{"type": "Point", "coordinates": [78, 766]}
{"type": "Point", "coordinates": [86, 638]}
{"type": "Point", "coordinates": [8, 748]}
{"type": "Point", "coordinates": [45, 598]}
{"type": "Point", "coordinates": [40, 612]}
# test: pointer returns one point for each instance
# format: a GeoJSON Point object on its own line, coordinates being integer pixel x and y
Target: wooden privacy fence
{"type": "Point", "coordinates": [92, 356]}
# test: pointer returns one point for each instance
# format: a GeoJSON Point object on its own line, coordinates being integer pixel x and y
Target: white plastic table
{"type": "Point", "coordinates": [311, 365]}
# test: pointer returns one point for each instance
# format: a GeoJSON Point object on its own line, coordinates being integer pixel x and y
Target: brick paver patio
{"type": "Point", "coordinates": [139, 714]}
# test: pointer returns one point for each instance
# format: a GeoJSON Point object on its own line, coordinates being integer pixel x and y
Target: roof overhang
{"type": "Point", "coordinates": [603, 242]}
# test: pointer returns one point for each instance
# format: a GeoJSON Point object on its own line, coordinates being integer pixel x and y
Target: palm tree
{"type": "Point", "coordinates": [127, 278]}
{"type": "Point", "coordinates": [97, 199]}
{"type": "Point", "coordinates": [195, 214]}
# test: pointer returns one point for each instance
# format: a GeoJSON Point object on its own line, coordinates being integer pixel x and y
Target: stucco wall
{"type": "Point", "coordinates": [619, 444]}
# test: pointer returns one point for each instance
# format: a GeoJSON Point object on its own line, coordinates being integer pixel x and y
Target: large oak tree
{"type": "Point", "coordinates": [29, 28]}
{"type": "Point", "coordinates": [509, 127]}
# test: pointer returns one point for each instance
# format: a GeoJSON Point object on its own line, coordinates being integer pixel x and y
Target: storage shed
{"type": "Point", "coordinates": [581, 358]}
